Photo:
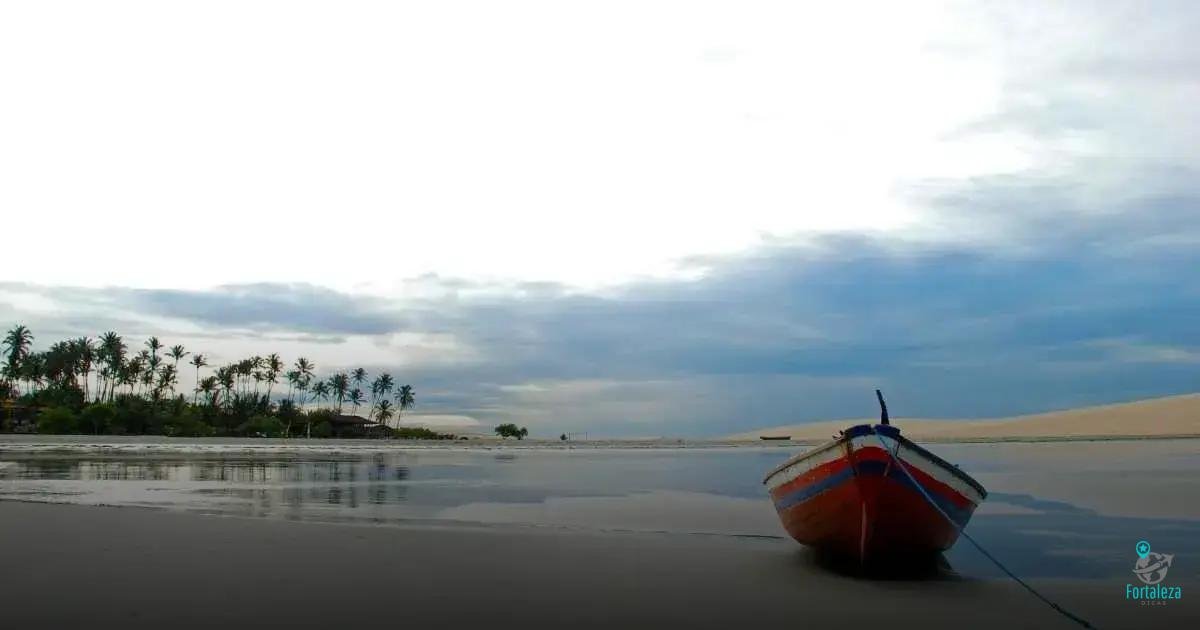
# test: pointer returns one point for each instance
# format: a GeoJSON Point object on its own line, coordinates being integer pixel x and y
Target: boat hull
{"type": "Point", "coordinates": [850, 497]}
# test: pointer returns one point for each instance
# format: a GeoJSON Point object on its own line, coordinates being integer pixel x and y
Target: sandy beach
{"type": "Point", "coordinates": [1158, 417]}
{"type": "Point", "coordinates": [73, 566]}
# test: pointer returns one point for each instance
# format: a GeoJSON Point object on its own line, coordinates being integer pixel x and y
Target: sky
{"type": "Point", "coordinates": [626, 218]}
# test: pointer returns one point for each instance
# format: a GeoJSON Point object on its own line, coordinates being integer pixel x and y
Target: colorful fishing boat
{"type": "Point", "coordinates": [872, 493]}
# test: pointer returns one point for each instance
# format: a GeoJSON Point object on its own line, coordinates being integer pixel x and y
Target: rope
{"type": "Point", "coordinates": [1073, 617]}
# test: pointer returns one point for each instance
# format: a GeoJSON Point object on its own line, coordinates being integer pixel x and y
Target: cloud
{"type": "Point", "coordinates": [794, 331]}
{"type": "Point", "coordinates": [248, 307]}
{"type": "Point", "coordinates": [1055, 267]}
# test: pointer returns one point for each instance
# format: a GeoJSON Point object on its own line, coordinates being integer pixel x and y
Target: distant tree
{"type": "Point", "coordinates": [273, 365]}
{"type": "Point", "coordinates": [16, 348]}
{"type": "Point", "coordinates": [509, 429]}
{"type": "Point", "coordinates": [177, 352]}
{"type": "Point", "coordinates": [359, 376]}
{"type": "Point", "coordinates": [405, 399]}
{"type": "Point", "coordinates": [198, 361]}
{"type": "Point", "coordinates": [563, 437]}
{"type": "Point", "coordinates": [339, 386]}
{"type": "Point", "coordinates": [357, 398]}
{"type": "Point", "coordinates": [320, 392]}
{"type": "Point", "coordinates": [153, 345]}
{"type": "Point", "coordinates": [305, 368]}
{"type": "Point", "coordinates": [383, 411]}
{"type": "Point", "coordinates": [208, 386]}
{"type": "Point", "coordinates": [381, 387]}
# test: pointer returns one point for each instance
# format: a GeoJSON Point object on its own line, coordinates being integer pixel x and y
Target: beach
{"type": "Point", "coordinates": [73, 566]}
{"type": "Point", "coordinates": [187, 533]}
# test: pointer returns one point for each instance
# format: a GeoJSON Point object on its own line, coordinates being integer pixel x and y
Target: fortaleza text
{"type": "Point", "coordinates": [1156, 591]}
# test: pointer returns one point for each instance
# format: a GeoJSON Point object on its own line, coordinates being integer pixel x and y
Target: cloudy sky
{"type": "Point", "coordinates": [627, 218]}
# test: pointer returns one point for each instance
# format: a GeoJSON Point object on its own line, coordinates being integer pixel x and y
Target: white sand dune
{"type": "Point", "coordinates": [1170, 416]}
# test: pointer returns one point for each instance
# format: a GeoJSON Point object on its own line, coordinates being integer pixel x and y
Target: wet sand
{"type": "Point", "coordinates": [85, 566]}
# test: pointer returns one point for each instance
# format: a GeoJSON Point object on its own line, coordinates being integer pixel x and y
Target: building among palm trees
{"type": "Point", "coordinates": [351, 426]}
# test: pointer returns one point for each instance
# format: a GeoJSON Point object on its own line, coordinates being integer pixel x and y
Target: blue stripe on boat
{"type": "Point", "coordinates": [870, 467]}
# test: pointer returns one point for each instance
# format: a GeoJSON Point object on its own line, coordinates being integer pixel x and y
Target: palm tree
{"type": "Point", "coordinates": [167, 377]}
{"type": "Point", "coordinates": [383, 411]}
{"type": "Point", "coordinates": [153, 345]}
{"type": "Point", "coordinates": [293, 380]}
{"type": "Point", "coordinates": [129, 372]}
{"type": "Point", "coordinates": [16, 341]}
{"type": "Point", "coordinates": [320, 392]}
{"type": "Point", "coordinates": [226, 379]}
{"type": "Point", "coordinates": [112, 351]}
{"type": "Point", "coordinates": [273, 365]}
{"type": "Point", "coordinates": [87, 356]}
{"type": "Point", "coordinates": [357, 398]}
{"type": "Point", "coordinates": [305, 368]}
{"type": "Point", "coordinates": [33, 370]}
{"type": "Point", "coordinates": [151, 369]}
{"type": "Point", "coordinates": [359, 376]}
{"type": "Point", "coordinates": [198, 361]}
{"type": "Point", "coordinates": [339, 386]}
{"type": "Point", "coordinates": [381, 387]}
{"type": "Point", "coordinates": [177, 353]}
{"type": "Point", "coordinates": [405, 399]}
{"type": "Point", "coordinates": [208, 387]}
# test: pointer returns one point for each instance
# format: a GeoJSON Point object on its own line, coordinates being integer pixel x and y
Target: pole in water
{"type": "Point", "coordinates": [883, 416]}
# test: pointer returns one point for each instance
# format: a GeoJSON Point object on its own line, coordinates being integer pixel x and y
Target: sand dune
{"type": "Point", "coordinates": [1173, 415]}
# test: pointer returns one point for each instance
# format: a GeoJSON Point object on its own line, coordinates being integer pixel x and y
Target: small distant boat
{"type": "Point", "coordinates": [850, 496]}
{"type": "Point", "coordinates": [774, 437]}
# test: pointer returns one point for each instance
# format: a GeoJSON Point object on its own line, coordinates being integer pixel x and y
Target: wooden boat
{"type": "Point", "coordinates": [774, 437]}
{"type": "Point", "coordinates": [851, 497]}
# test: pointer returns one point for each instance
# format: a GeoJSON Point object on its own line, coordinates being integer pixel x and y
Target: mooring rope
{"type": "Point", "coordinates": [962, 532]}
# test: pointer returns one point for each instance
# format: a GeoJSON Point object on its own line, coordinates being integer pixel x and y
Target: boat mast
{"type": "Point", "coordinates": [883, 416]}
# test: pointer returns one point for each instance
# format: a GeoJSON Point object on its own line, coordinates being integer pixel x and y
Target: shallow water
{"type": "Point", "coordinates": [1072, 509]}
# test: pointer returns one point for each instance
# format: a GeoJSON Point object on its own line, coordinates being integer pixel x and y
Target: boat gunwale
{"type": "Point", "coordinates": [894, 433]}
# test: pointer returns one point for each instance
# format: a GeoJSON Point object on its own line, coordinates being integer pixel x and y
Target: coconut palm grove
{"type": "Point", "coordinates": [109, 385]}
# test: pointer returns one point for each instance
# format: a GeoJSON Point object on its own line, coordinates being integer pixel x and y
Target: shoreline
{"type": "Point", "coordinates": [132, 568]}
{"type": "Point", "coordinates": [125, 446]}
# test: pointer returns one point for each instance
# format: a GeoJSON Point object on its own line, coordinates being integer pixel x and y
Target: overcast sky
{"type": "Point", "coordinates": [629, 218]}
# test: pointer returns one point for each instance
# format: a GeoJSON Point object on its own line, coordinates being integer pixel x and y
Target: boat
{"type": "Point", "coordinates": [774, 437]}
{"type": "Point", "coordinates": [871, 493]}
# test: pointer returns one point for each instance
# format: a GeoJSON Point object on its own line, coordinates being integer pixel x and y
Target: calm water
{"type": "Point", "coordinates": [1055, 509]}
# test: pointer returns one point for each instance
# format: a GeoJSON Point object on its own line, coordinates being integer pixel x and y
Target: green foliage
{"type": "Point", "coordinates": [322, 429]}
{"type": "Point", "coordinates": [189, 422]}
{"type": "Point", "coordinates": [262, 426]}
{"type": "Point", "coordinates": [97, 418]}
{"type": "Point", "coordinates": [509, 429]}
{"type": "Point", "coordinates": [420, 433]}
{"type": "Point", "coordinates": [113, 385]}
{"type": "Point", "coordinates": [57, 420]}
{"type": "Point", "coordinates": [57, 395]}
